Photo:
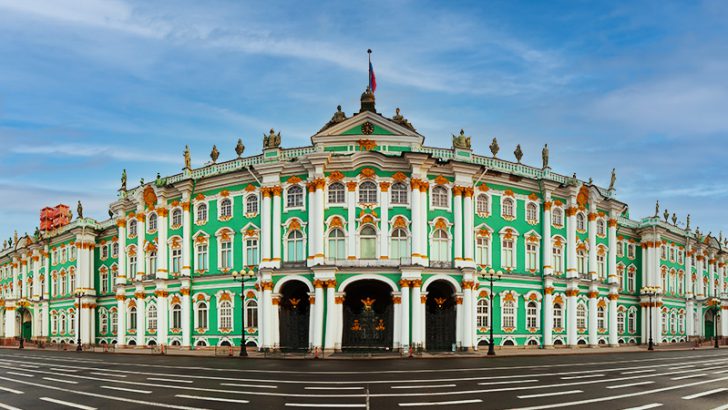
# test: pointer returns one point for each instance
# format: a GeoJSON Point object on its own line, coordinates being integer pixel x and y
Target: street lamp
{"type": "Point", "coordinates": [79, 294]}
{"type": "Point", "coordinates": [22, 308]}
{"type": "Point", "coordinates": [240, 276]}
{"type": "Point", "coordinates": [715, 307]}
{"type": "Point", "coordinates": [491, 276]}
{"type": "Point", "coordinates": [650, 292]}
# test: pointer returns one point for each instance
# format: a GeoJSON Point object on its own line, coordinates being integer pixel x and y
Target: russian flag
{"type": "Point", "coordinates": [372, 78]}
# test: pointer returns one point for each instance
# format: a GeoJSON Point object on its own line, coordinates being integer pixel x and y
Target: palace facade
{"type": "Point", "coordinates": [367, 239]}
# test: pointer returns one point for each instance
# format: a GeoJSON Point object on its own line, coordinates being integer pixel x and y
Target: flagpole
{"type": "Point", "coordinates": [369, 68]}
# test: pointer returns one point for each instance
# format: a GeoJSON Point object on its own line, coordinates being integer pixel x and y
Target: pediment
{"type": "Point", "coordinates": [367, 125]}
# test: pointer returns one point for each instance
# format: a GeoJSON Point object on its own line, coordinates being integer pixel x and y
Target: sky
{"type": "Point", "coordinates": [88, 88]}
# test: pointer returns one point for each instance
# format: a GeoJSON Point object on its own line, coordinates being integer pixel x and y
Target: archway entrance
{"type": "Point", "coordinates": [440, 316]}
{"type": "Point", "coordinates": [24, 324]}
{"type": "Point", "coordinates": [294, 315]}
{"type": "Point", "coordinates": [368, 316]}
{"type": "Point", "coordinates": [709, 324]}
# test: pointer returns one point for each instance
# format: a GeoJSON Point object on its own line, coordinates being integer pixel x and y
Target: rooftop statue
{"type": "Point", "coordinates": [79, 210]}
{"type": "Point", "coordinates": [494, 147]}
{"type": "Point", "coordinates": [545, 156]}
{"type": "Point", "coordinates": [188, 158]}
{"type": "Point", "coordinates": [399, 119]}
{"type": "Point", "coordinates": [240, 148]}
{"type": "Point", "coordinates": [123, 180]}
{"type": "Point", "coordinates": [674, 219]}
{"type": "Point", "coordinates": [272, 140]}
{"type": "Point", "coordinates": [687, 227]}
{"type": "Point", "coordinates": [459, 141]}
{"type": "Point", "coordinates": [657, 208]}
{"type": "Point", "coordinates": [613, 179]}
{"type": "Point", "coordinates": [215, 154]}
{"type": "Point", "coordinates": [518, 153]}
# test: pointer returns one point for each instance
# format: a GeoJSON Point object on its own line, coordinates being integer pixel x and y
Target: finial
{"type": "Point", "coordinates": [518, 153]}
{"type": "Point", "coordinates": [240, 148]}
{"type": "Point", "coordinates": [666, 215]}
{"type": "Point", "coordinates": [188, 158]}
{"type": "Point", "coordinates": [272, 140]}
{"type": "Point", "coordinates": [494, 147]}
{"type": "Point", "coordinates": [215, 154]}
{"type": "Point", "coordinates": [674, 219]}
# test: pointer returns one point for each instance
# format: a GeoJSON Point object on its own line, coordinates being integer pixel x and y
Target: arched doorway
{"type": "Point", "coordinates": [709, 324]}
{"type": "Point", "coordinates": [368, 316]}
{"type": "Point", "coordinates": [440, 316]}
{"type": "Point", "coordinates": [294, 316]}
{"type": "Point", "coordinates": [24, 324]}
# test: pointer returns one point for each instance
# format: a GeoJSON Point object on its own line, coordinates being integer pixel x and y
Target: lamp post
{"type": "Point", "coordinates": [491, 276]}
{"type": "Point", "coordinates": [79, 294]}
{"type": "Point", "coordinates": [650, 292]}
{"type": "Point", "coordinates": [22, 308]}
{"type": "Point", "coordinates": [240, 276]}
{"type": "Point", "coordinates": [715, 307]}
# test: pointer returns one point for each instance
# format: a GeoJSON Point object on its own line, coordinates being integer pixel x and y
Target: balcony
{"type": "Point", "coordinates": [442, 264]}
{"type": "Point", "coordinates": [366, 263]}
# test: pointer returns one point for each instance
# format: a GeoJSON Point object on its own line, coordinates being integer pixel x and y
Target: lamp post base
{"type": "Point", "coordinates": [650, 345]}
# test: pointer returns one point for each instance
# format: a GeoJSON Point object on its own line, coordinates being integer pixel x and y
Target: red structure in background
{"type": "Point", "coordinates": [55, 217]}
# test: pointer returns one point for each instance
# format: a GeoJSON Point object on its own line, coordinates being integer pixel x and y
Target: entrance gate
{"type": "Point", "coordinates": [440, 317]}
{"type": "Point", "coordinates": [368, 316]}
{"type": "Point", "coordinates": [294, 317]}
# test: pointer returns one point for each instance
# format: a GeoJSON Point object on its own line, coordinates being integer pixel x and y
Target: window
{"type": "Point", "coordinates": [176, 218]}
{"type": "Point", "coordinates": [531, 315]}
{"type": "Point", "coordinates": [337, 242]}
{"type": "Point", "coordinates": [251, 204]}
{"type": "Point", "coordinates": [581, 316]}
{"type": "Point", "coordinates": [601, 264]}
{"type": "Point", "coordinates": [440, 244]}
{"type": "Point", "coordinates": [558, 316]}
{"type": "Point", "coordinates": [54, 323]}
{"type": "Point", "coordinates": [399, 193]}
{"type": "Point", "coordinates": [483, 314]}
{"type": "Point", "coordinates": [673, 323]}
{"type": "Point", "coordinates": [202, 259]}
{"type": "Point", "coordinates": [620, 249]}
{"type": "Point", "coordinates": [226, 208]}
{"type": "Point", "coordinates": [581, 261]}
{"type": "Point", "coordinates": [580, 222]}
{"type": "Point", "coordinates": [201, 213]}
{"type": "Point", "coordinates": [620, 323]}
{"type": "Point", "coordinates": [681, 323]}
{"type": "Point", "coordinates": [295, 246]}
{"type": "Point", "coordinates": [72, 322]}
{"type": "Point", "coordinates": [62, 284]}
{"type": "Point", "coordinates": [482, 205]}
{"type": "Point", "coordinates": [104, 279]}
{"type": "Point", "coordinates": [202, 315]}
{"type": "Point", "coordinates": [132, 318]}
{"type": "Point", "coordinates": [509, 314]}
{"type": "Point", "coordinates": [176, 260]}
{"type": "Point", "coordinates": [631, 280]}
{"type": "Point", "coordinates": [531, 212]}
{"type": "Point", "coordinates": [632, 322]}
{"type": "Point", "coordinates": [368, 192]}
{"type": "Point", "coordinates": [663, 252]}
{"type": "Point", "coordinates": [115, 250]}
{"type": "Point", "coordinates": [558, 258]}
{"type": "Point", "coordinates": [62, 324]}
{"type": "Point", "coordinates": [337, 194]}
{"type": "Point", "coordinates": [152, 263]}
{"type": "Point", "coordinates": [601, 318]}
{"type": "Point", "coordinates": [557, 217]}
{"type": "Point", "coordinates": [152, 222]}
{"type": "Point", "coordinates": [226, 315]}
{"type": "Point", "coordinates": [672, 254]}
{"type": "Point", "coordinates": [114, 321]}
{"type": "Point", "coordinates": [71, 282]}
{"type": "Point", "coordinates": [132, 228]}
{"type": "Point", "coordinates": [508, 208]}
{"type": "Point", "coordinates": [152, 318]}
{"type": "Point", "coordinates": [508, 259]}
{"type": "Point", "coordinates": [226, 254]}
{"type": "Point", "coordinates": [439, 197]}
{"type": "Point", "coordinates": [104, 251]}
{"type": "Point", "coordinates": [400, 244]}
{"type": "Point", "coordinates": [368, 242]}
{"type": "Point", "coordinates": [631, 248]}
{"type": "Point", "coordinates": [482, 250]}
{"type": "Point", "coordinates": [680, 283]}
{"type": "Point", "coordinates": [176, 316]}
{"type": "Point", "coordinates": [251, 251]}
{"type": "Point", "coordinates": [531, 256]}
{"type": "Point", "coordinates": [680, 257]}
{"type": "Point", "coordinates": [601, 227]}
{"type": "Point", "coordinates": [664, 321]}
{"type": "Point", "coordinates": [294, 197]}
{"type": "Point", "coordinates": [251, 314]}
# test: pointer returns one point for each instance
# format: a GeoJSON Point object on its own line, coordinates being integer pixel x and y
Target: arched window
{"type": "Point", "coordinates": [201, 213]}
{"type": "Point", "coordinates": [558, 257]}
{"type": "Point", "coordinates": [202, 315]}
{"type": "Point", "coordinates": [508, 254]}
{"type": "Point", "coordinates": [558, 316]}
{"type": "Point", "coordinates": [251, 204]}
{"type": "Point", "coordinates": [581, 316]}
{"type": "Point", "coordinates": [509, 314]}
{"type": "Point", "coordinates": [251, 250]}
{"type": "Point", "coordinates": [664, 321]}
{"type": "Point", "coordinates": [681, 323]}
{"type": "Point", "coordinates": [132, 228]}
{"type": "Point", "coordinates": [601, 227]}
{"type": "Point", "coordinates": [557, 217]}
{"type": "Point", "coordinates": [483, 314]}
{"type": "Point", "coordinates": [673, 323]}
{"type": "Point", "coordinates": [152, 318]}
{"type": "Point", "coordinates": [54, 323]}
{"type": "Point", "coordinates": [439, 197]}
{"type": "Point", "coordinates": [482, 205]}
{"type": "Point", "coordinates": [632, 322]}
{"type": "Point", "coordinates": [152, 271]}
{"type": "Point", "coordinates": [400, 244]}
{"type": "Point", "coordinates": [202, 256]}
{"type": "Point", "coordinates": [115, 250]}
{"type": "Point", "coordinates": [226, 208]}
{"type": "Point", "coordinates": [201, 343]}
{"type": "Point", "coordinates": [251, 314]}
{"type": "Point", "coordinates": [482, 250]}
{"type": "Point", "coordinates": [508, 208]}
{"type": "Point", "coordinates": [72, 322]}
{"type": "Point", "coordinates": [295, 246]}
{"type": "Point", "coordinates": [132, 318]}
{"type": "Point", "coordinates": [581, 261]}
{"type": "Point", "coordinates": [104, 279]}
{"type": "Point", "coordinates": [531, 315]}
{"type": "Point", "coordinates": [631, 280]}
{"type": "Point", "coordinates": [152, 222]}
{"type": "Point", "coordinates": [176, 218]}
{"type": "Point", "coordinates": [176, 316]}
{"type": "Point", "coordinates": [114, 321]}
{"type": "Point", "coordinates": [440, 244]}
{"type": "Point", "coordinates": [337, 244]}
{"type": "Point", "coordinates": [62, 324]}
{"type": "Point", "coordinates": [620, 322]}
{"type": "Point", "coordinates": [226, 315]}
{"type": "Point", "coordinates": [337, 194]}
{"type": "Point", "coordinates": [226, 253]}
{"type": "Point", "coordinates": [601, 318]}
{"type": "Point", "coordinates": [368, 192]}
{"type": "Point", "coordinates": [368, 242]}
{"type": "Point", "coordinates": [532, 212]}
{"type": "Point", "coordinates": [399, 194]}
{"type": "Point", "coordinates": [580, 222]}
{"type": "Point", "coordinates": [294, 197]}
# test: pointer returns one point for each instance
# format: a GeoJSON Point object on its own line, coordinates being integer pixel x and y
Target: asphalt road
{"type": "Point", "coordinates": [679, 380]}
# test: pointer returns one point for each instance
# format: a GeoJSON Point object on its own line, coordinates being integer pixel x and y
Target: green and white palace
{"type": "Point", "coordinates": [367, 239]}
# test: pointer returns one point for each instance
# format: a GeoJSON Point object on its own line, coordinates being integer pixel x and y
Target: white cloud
{"type": "Point", "coordinates": [86, 150]}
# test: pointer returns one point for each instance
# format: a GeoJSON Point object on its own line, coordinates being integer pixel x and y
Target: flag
{"type": "Point", "coordinates": [372, 78]}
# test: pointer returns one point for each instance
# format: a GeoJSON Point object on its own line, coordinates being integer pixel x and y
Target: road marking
{"type": "Point", "coordinates": [640, 371]}
{"type": "Point", "coordinates": [125, 389]}
{"type": "Point", "coordinates": [60, 380]}
{"type": "Point", "coordinates": [440, 403]}
{"type": "Point", "coordinates": [31, 366]}
{"type": "Point", "coordinates": [8, 407]}
{"type": "Point", "coordinates": [585, 376]}
{"type": "Point", "coordinates": [705, 393]}
{"type": "Point", "coordinates": [619, 386]}
{"type": "Point", "coordinates": [723, 407]}
{"type": "Point", "coordinates": [64, 370]}
{"type": "Point", "coordinates": [688, 376]}
{"type": "Point", "coordinates": [187, 396]}
{"type": "Point", "coordinates": [168, 380]}
{"type": "Point", "coordinates": [67, 403]}
{"type": "Point", "coordinates": [325, 405]}
{"type": "Point", "coordinates": [106, 374]}
{"type": "Point", "coordinates": [9, 390]}
{"type": "Point", "coordinates": [262, 386]}
{"type": "Point", "coordinates": [21, 374]}
{"type": "Point", "coordinates": [508, 382]}
{"type": "Point", "coordinates": [332, 388]}
{"type": "Point", "coordinates": [681, 367]}
{"type": "Point", "coordinates": [645, 407]}
{"type": "Point", "coordinates": [709, 368]}
{"type": "Point", "coordinates": [557, 393]}
{"type": "Point", "coordinates": [424, 386]}
{"type": "Point", "coordinates": [721, 372]}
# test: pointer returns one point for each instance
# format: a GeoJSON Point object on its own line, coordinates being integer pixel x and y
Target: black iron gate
{"type": "Point", "coordinates": [440, 324]}
{"type": "Point", "coordinates": [293, 319]}
{"type": "Point", "coordinates": [368, 329]}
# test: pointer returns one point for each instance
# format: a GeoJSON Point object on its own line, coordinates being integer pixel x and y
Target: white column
{"type": "Point", "coordinates": [162, 269]}
{"type": "Point", "coordinates": [186, 239]}
{"type": "Point", "coordinates": [266, 224]}
{"type": "Point", "coordinates": [690, 318]}
{"type": "Point", "coordinates": [457, 193]}
{"type": "Point", "coordinates": [120, 317]}
{"type": "Point", "coordinates": [711, 276]}
{"type": "Point", "coordinates": [405, 310]}
{"type": "Point", "coordinates": [16, 290]}
{"type": "Point", "coordinates": [2, 322]}
{"type": "Point", "coordinates": [162, 314]}
{"type": "Point", "coordinates": [276, 316]}
{"type": "Point", "coordinates": [571, 239]}
{"type": "Point", "coordinates": [24, 277]}
{"type": "Point", "coordinates": [688, 277]}
{"type": "Point", "coordinates": [397, 301]}
{"type": "Point", "coordinates": [311, 318]}
{"type": "Point", "coordinates": [318, 197]}
{"type": "Point", "coordinates": [724, 320]}
{"type": "Point", "coordinates": [458, 320]}
{"type": "Point", "coordinates": [721, 279]}
{"type": "Point", "coordinates": [186, 312]}
{"type": "Point", "coordinates": [593, 242]}
{"type": "Point", "coordinates": [384, 230]}
{"type": "Point", "coordinates": [331, 322]}
{"type": "Point", "coordinates": [571, 331]}
{"type": "Point", "coordinates": [47, 281]}
{"type": "Point", "coordinates": [10, 315]}
{"type": "Point", "coordinates": [141, 316]}
{"type": "Point", "coordinates": [37, 291]}
{"type": "Point", "coordinates": [417, 318]}
{"type": "Point", "coordinates": [319, 314]}
{"type": "Point", "coordinates": [424, 186]}
{"type": "Point", "coordinates": [311, 207]}
{"type": "Point", "coordinates": [548, 268]}
{"type": "Point", "coordinates": [276, 237]}
{"type": "Point", "coordinates": [141, 252]}
{"type": "Point", "coordinates": [268, 314]}
{"type": "Point", "coordinates": [351, 219]}
{"type": "Point", "coordinates": [612, 277]}
{"type": "Point", "coordinates": [339, 300]}
{"type": "Point", "coordinates": [467, 311]}
{"type": "Point", "coordinates": [699, 274]}
{"type": "Point", "coordinates": [468, 226]}
{"type": "Point", "coordinates": [592, 325]}
{"type": "Point", "coordinates": [548, 312]}
{"type": "Point", "coordinates": [613, 329]}
{"type": "Point", "coordinates": [416, 228]}
{"type": "Point", "coordinates": [121, 263]}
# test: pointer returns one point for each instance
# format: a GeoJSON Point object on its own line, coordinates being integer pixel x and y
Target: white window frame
{"type": "Point", "coordinates": [447, 198]}
{"type": "Point", "coordinates": [512, 200]}
{"type": "Point", "coordinates": [291, 206]}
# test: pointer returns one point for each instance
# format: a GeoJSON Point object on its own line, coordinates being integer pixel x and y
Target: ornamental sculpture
{"type": "Point", "coordinates": [123, 180]}
{"type": "Point", "coordinates": [494, 147]}
{"type": "Point", "coordinates": [399, 119]}
{"type": "Point", "coordinates": [240, 148]}
{"type": "Point", "coordinates": [518, 153]}
{"type": "Point", "coordinates": [188, 159]}
{"type": "Point", "coordinates": [215, 154]}
{"type": "Point", "coordinates": [461, 141]}
{"type": "Point", "coordinates": [79, 210]}
{"type": "Point", "coordinates": [272, 140]}
{"type": "Point", "coordinates": [613, 179]}
{"type": "Point", "coordinates": [545, 156]}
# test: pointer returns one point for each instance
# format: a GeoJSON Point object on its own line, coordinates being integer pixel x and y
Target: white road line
{"type": "Point", "coordinates": [688, 376]}
{"type": "Point", "coordinates": [424, 386]}
{"type": "Point", "coordinates": [556, 393]}
{"type": "Point", "coordinates": [125, 389]}
{"type": "Point", "coordinates": [67, 403]}
{"type": "Point", "coordinates": [186, 396]}
{"type": "Point", "coordinates": [60, 380]}
{"type": "Point", "coordinates": [584, 376]}
{"type": "Point", "coordinates": [347, 405]}
{"type": "Point", "coordinates": [620, 386]}
{"type": "Point", "coordinates": [8, 407]}
{"type": "Point", "coordinates": [159, 379]}
{"type": "Point", "coordinates": [107, 374]}
{"type": "Point", "coordinates": [9, 390]}
{"type": "Point", "coordinates": [262, 386]}
{"type": "Point", "coordinates": [508, 382]}
{"type": "Point", "coordinates": [440, 403]}
{"type": "Point", "coordinates": [20, 374]}
{"type": "Point", "coordinates": [640, 371]}
{"type": "Point", "coordinates": [721, 372]}
{"type": "Point", "coordinates": [723, 407]}
{"type": "Point", "coordinates": [703, 394]}
{"type": "Point", "coordinates": [31, 366]}
{"type": "Point", "coordinates": [681, 367]}
{"type": "Point", "coordinates": [645, 407]}
{"type": "Point", "coordinates": [63, 370]}
{"type": "Point", "coordinates": [332, 388]}
{"type": "Point", "coordinates": [709, 368]}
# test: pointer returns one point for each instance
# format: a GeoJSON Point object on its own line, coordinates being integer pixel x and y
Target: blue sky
{"type": "Point", "coordinates": [88, 88]}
